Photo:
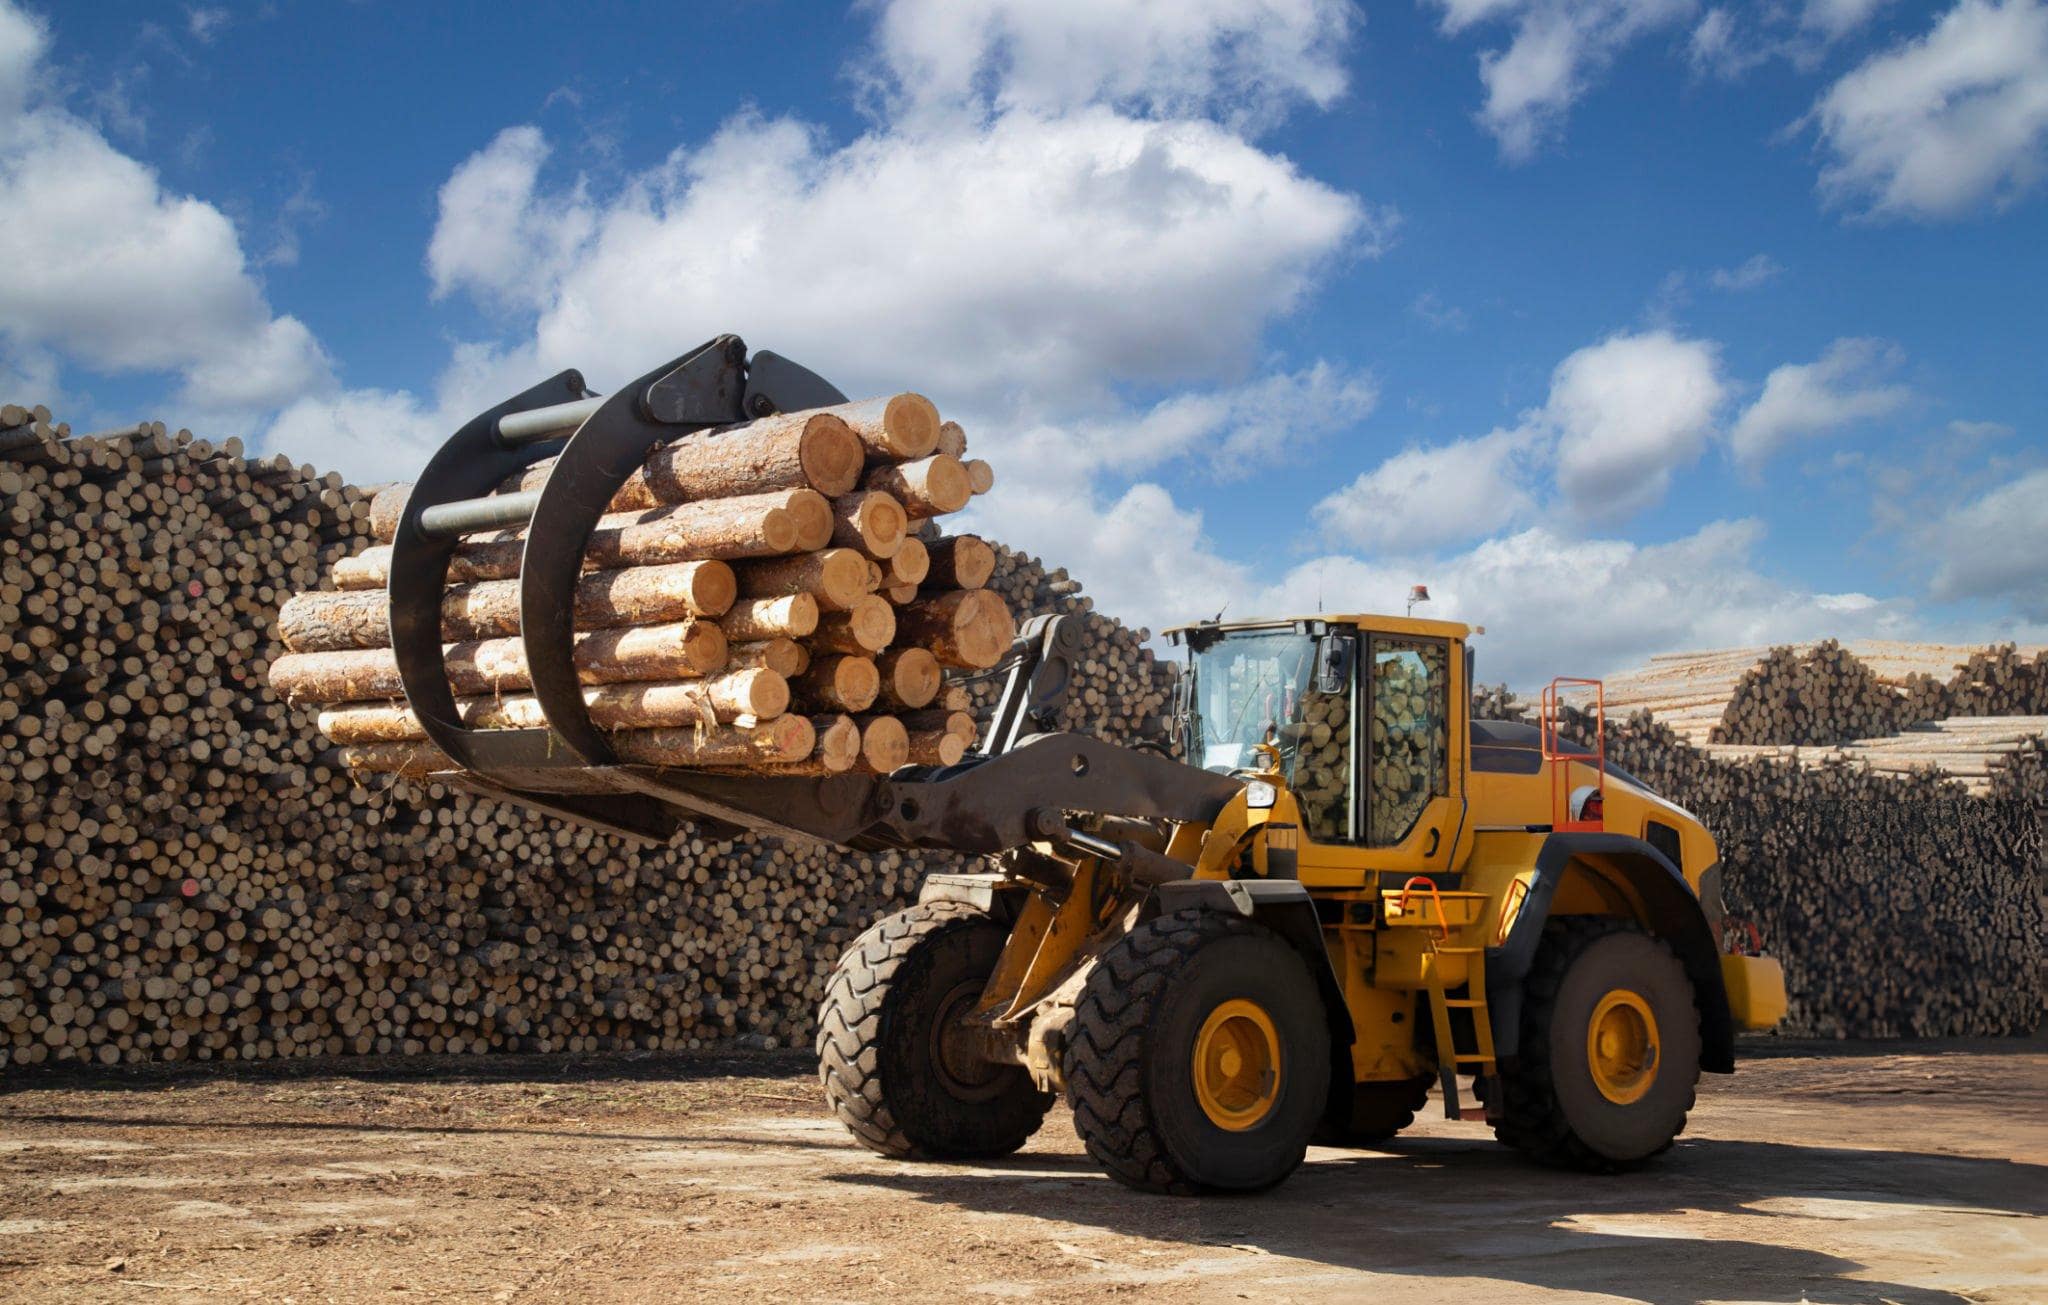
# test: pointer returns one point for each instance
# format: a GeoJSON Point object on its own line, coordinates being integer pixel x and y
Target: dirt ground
{"type": "Point", "coordinates": [1834, 1173]}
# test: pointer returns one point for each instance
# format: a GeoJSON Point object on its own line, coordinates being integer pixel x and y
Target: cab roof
{"type": "Point", "coordinates": [1408, 625]}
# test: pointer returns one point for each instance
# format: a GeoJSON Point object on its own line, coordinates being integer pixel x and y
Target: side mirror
{"type": "Point", "coordinates": [1336, 655]}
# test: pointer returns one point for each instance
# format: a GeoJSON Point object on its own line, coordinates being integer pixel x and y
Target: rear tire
{"type": "Point", "coordinates": [1610, 1050]}
{"type": "Point", "coordinates": [888, 1070]}
{"type": "Point", "coordinates": [1379, 1111]}
{"type": "Point", "coordinates": [1199, 1057]}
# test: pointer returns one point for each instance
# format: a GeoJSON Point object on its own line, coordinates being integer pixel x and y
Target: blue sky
{"type": "Point", "coordinates": [1627, 325]}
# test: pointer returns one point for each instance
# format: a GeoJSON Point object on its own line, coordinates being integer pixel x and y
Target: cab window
{"type": "Point", "coordinates": [1410, 752]}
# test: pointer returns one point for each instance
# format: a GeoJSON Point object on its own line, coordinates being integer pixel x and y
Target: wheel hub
{"type": "Point", "coordinates": [1237, 1065]}
{"type": "Point", "coordinates": [1622, 1046]}
{"type": "Point", "coordinates": [957, 1053]}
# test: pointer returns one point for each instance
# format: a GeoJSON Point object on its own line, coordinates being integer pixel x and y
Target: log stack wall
{"type": "Point", "coordinates": [187, 873]}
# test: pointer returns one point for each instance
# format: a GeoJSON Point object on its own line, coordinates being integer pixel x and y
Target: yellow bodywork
{"type": "Point", "coordinates": [1404, 925]}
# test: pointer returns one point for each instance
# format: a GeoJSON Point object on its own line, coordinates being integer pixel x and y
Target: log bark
{"type": "Point", "coordinates": [871, 521]}
{"type": "Point", "coordinates": [757, 525]}
{"type": "Point", "coordinates": [684, 650]}
{"type": "Point", "coordinates": [952, 440]}
{"type": "Point", "coordinates": [960, 562]}
{"type": "Point", "coordinates": [744, 747]}
{"type": "Point", "coordinates": [757, 694]}
{"type": "Point", "coordinates": [836, 577]}
{"type": "Point", "coordinates": [934, 747]}
{"type": "Point", "coordinates": [814, 451]}
{"type": "Point", "coordinates": [864, 629]}
{"type": "Point", "coordinates": [786, 657]}
{"type": "Point", "coordinates": [838, 683]}
{"type": "Point", "coordinates": [331, 620]}
{"type": "Point", "coordinates": [790, 616]}
{"type": "Point", "coordinates": [967, 629]}
{"type": "Point", "coordinates": [900, 428]}
{"type": "Point", "coordinates": [928, 487]}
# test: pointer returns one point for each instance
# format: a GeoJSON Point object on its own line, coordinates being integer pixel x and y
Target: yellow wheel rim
{"type": "Point", "coordinates": [1237, 1065]}
{"type": "Point", "coordinates": [1622, 1046]}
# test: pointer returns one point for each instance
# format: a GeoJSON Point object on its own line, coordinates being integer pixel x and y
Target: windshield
{"type": "Point", "coordinates": [1248, 690]}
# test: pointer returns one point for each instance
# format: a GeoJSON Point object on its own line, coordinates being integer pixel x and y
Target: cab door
{"type": "Point", "coordinates": [1413, 796]}
{"type": "Point", "coordinates": [1378, 770]}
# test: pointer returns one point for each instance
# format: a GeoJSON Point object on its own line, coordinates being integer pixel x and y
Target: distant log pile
{"type": "Point", "coordinates": [1827, 693]}
{"type": "Point", "coordinates": [754, 600]}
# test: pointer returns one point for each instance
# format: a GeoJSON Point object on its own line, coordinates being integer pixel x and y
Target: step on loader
{"type": "Point", "coordinates": [1347, 892]}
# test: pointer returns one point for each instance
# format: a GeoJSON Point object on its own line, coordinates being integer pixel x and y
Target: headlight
{"type": "Point", "coordinates": [1259, 795]}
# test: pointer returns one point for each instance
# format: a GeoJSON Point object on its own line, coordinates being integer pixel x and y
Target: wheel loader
{"type": "Point", "coordinates": [1342, 893]}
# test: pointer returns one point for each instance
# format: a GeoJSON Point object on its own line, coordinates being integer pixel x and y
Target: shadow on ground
{"type": "Point", "coordinates": [1439, 1208]}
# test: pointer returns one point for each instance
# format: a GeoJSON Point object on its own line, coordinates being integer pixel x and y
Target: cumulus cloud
{"type": "Point", "coordinates": [1064, 253]}
{"type": "Point", "coordinates": [1553, 604]}
{"type": "Point", "coordinates": [100, 257]}
{"type": "Point", "coordinates": [1628, 413]}
{"type": "Point", "coordinates": [1995, 546]}
{"type": "Point", "coordinates": [1559, 48]}
{"type": "Point", "coordinates": [1800, 400]}
{"type": "Point", "coordinates": [1756, 270]}
{"type": "Point", "coordinates": [1242, 60]}
{"type": "Point", "coordinates": [1941, 126]}
{"type": "Point", "coordinates": [1423, 498]}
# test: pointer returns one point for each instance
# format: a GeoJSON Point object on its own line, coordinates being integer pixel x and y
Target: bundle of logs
{"type": "Point", "coordinates": [754, 599]}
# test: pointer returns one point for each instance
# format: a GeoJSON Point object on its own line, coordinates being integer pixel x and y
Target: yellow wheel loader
{"type": "Point", "coordinates": [1345, 893]}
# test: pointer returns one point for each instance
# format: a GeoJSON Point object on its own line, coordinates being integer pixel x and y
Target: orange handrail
{"type": "Point", "coordinates": [1442, 923]}
{"type": "Point", "coordinates": [1560, 762]}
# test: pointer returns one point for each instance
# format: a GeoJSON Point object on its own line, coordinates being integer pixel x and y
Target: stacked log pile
{"type": "Point", "coordinates": [1826, 693]}
{"type": "Point", "coordinates": [1124, 693]}
{"type": "Point", "coordinates": [1821, 695]}
{"type": "Point", "coordinates": [753, 600]}
{"type": "Point", "coordinates": [1899, 904]}
{"type": "Point", "coordinates": [188, 875]}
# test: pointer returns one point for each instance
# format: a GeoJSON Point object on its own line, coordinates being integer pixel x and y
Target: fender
{"type": "Point", "coordinates": [1671, 913]}
{"type": "Point", "coordinates": [1285, 907]}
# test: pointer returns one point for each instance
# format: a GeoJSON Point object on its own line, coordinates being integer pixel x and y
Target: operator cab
{"type": "Point", "coordinates": [1360, 713]}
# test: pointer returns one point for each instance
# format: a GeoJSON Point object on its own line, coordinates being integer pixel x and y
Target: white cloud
{"type": "Point", "coordinates": [108, 269]}
{"type": "Point", "coordinates": [383, 435]}
{"type": "Point", "coordinates": [205, 22]}
{"type": "Point", "coordinates": [1834, 19]}
{"type": "Point", "coordinates": [1754, 271]}
{"type": "Point", "coordinates": [1940, 126]}
{"type": "Point", "coordinates": [1995, 546]}
{"type": "Point", "coordinates": [23, 39]}
{"type": "Point", "coordinates": [1559, 47]}
{"type": "Point", "coordinates": [1058, 255]}
{"type": "Point", "coordinates": [1438, 314]}
{"type": "Point", "coordinates": [1422, 498]}
{"type": "Point", "coordinates": [493, 239]}
{"type": "Point", "coordinates": [1799, 400]}
{"type": "Point", "coordinates": [1629, 412]}
{"type": "Point", "coordinates": [1242, 60]}
{"type": "Point", "coordinates": [1553, 604]}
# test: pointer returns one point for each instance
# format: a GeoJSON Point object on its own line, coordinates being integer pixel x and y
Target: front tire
{"type": "Point", "coordinates": [1199, 1057]}
{"type": "Point", "coordinates": [901, 1085]}
{"type": "Point", "coordinates": [1610, 1050]}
